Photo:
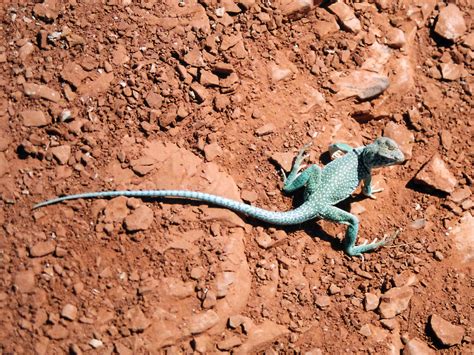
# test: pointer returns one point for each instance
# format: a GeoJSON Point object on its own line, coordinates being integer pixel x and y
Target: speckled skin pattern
{"type": "Point", "coordinates": [323, 189]}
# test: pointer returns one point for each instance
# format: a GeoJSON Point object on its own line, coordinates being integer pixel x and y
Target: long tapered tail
{"type": "Point", "coordinates": [296, 216]}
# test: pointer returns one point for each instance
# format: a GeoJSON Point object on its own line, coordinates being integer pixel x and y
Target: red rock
{"type": "Point", "coordinates": [265, 129]}
{"type": "Point", "coordinates": [212, 151]}
{"type": "Point", "coordinates": [464, 238]}
{"type": "Point", "coordinates": [139, 219]}
{"type": "Point", "coordinates": [61, 153]}
{"type": "Point", "coordinates": [229, 343]}
{"type": "Point", "coordinates": [362, 84]}
{"type": "Point", "coordinates": [154, 100]}
{"type": "Point", "coordinates": [73, 74]}
{"type": "Point", "coordinates": [57, 332]}
{"type": "Point", "coordinates": [451, 71]}
{"type": "Point", "coordinates": [371, 302]}
{"type": "Point", "coordinates": [48, 10]}
{"type": "Point", "coordinates": [435, 174]}
{"type": "Point", "coordinates": [137, 321]}
{"type": "Point", "coordinates": [42, 249]}
{"type": "Point", "coordinates": [446, 332]}
{"type": "Point", "coordinates": [26, 50]}
{"type": "Point", "coordinates": [200, 92]}
{"type": "Point", "coordinates": [69, 312]}
{"type": "Point", "coordinates": [201, 322]}
{"type": "Point", "coordinates": [41, 91]}
{"type": "Point", "coordinates": [120, 55]}
{"type": "Point", "coordinates": [395, 38]}
{"type": "Point", "coordinates": [24, 281]}
{"type": "Point", "coordinates": [346, 16]}
{"type": "Point", "coordinates": [450, 23]}
{"type": "Point", "coordinates": [116, 210]}
{"type": "Point", "coordinates": [194, 58]}
{"type": "Point", "coordinates": [208, 79]}
{"type": "Point", "coordinates": [417, 347]}
{"type": "Point", "coordinates": [32, 118]}
{"type": "Point", "coordinates": [258, 336]}
{"type": "Point", "coordinates": [4, 166]}
{"type": "Point", "coordinates": [395, 301]}
{"type": "Point", "coordinates": [98, 86]}
{"type": "Point", "coordinates": [323, 28]}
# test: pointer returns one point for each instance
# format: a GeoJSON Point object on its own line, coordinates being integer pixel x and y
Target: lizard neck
{"type": "Point", "coordinates": [365, 157]}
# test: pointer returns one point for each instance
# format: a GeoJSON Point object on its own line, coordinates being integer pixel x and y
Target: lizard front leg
{"type": "Point", "coordinates": [368, 190]}
{"type": "Point", "coordinates": [335, 214]}
{"type": "Point", "coordinates": [308, 178]}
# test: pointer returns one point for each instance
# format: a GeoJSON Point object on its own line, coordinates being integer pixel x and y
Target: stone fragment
{"type": "Point", "coordinates": [395, 301]}
{"type": "Point", "coordinates": [199, 323]}
{"type": "Point", "coordinates": [346, 16]}
{"type": "Point", "coordinates": [435, 174]}
{"type": "Point", "coordinates": [223, 68]}
{"type": "Point", "coordinates": [212, 151]}
{"type": "Point", "coordinates": [223, 281]}
{"type": "Point", "coordinates": [96, 343]}
{"type": "Point", "coordinates": [259, 336]}
{"type": "Point", "coordinates": [460, 194]}
{"type": "Point", "coordinates": [450, 23]}
{"type": "Point", "coordinates": [120, 55]}
{"type": "Point", "coordinates": [292, 8]}
{"type": "Point", "coordinates": [41, 91]}
{"type": "Point", "coordinates": [33, 118]}
{"type": "Point", "coordinates": [417, 347]}
{"type": "Point", "coordinates": [69, 312]}
{"type": "Point", "coordinates": [116, 210]}
{"type": "Point", "coordinates": [265, 129]}
{"type": "Point", "coordinates": [464, 238]}
{"type": "Point", "coordinates": [61, 153]}
{"type": "Point", "coordinates": [279, 73]}
{"type": "Point", "coordinates": [208, 79]}
{"type": "Point", "coordinates": [140, 219]}
{"type": "Point", "coordinates": [371, 302]}
{"type": "Point", "coordinates": [137, 321]}
{"type": "Point", "coordinates": [395, 38]}
{"type": "Point", "coordinates": [57, 332]}
{"type": "Point", "coordinates": [322, 301]}
{"type": "Point", "coordinates": [402, 136]}
{"type": "Point", "coordinates": [451, 71]}
{"type": "Point", "coordinates": [4, 166]}
{"type": "Point", "coordinates": [284, 160]}
{"type": "Point", "coordinates": [177, 288]}
{"type": "Point", "coordinates": [98, 86]}
{"type": "Point", "coordinates": [26, 50]}
{"type": "Point", "coordinates": [324, 28]}
{"type": "Point", "coordinates": [469, 40]}
{"type": "Point", "coordinates": [446, 139]}
{"type": "Point", "coordinates": [47, 11]}
{"type": "Point", "coordinates": [210, 300]}
{"type": "Point", "coordinates": [249, 196]}
{"type": "Point", "coordinates": [24, 281]}
{"type": "Point", "coordinates": [374, 333]}
{"type": "Point", "coordinates": [229, 343]}
{"type": "Point", "coordinates": [362, 84]}
{"type": "Point", "coordinates": [194, 58]}
{"type": "Point", "coordinates": [73, 74]}
{"type": "Point", "coordinates": [199, 92]}
{"type": "Point", "coordinates": [42, 249]}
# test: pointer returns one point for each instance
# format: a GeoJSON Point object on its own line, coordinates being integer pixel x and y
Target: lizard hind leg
{"type": "Point", "coordinates": [337, 215]}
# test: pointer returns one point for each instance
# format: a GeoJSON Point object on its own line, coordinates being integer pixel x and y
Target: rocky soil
{"type": "Point", "coordinates": [217, 96]}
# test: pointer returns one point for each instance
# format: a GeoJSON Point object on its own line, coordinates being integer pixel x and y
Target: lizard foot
{"type": "Point", "coordinates": [370, 193]}
{"type": "Point", "coordinates": [357, 250]}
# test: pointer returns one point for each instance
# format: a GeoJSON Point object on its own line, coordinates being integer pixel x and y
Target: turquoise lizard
{"type": "Point", "coordinates": [323, 188]}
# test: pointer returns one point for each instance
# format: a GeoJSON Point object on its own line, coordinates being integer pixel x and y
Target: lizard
{"type": "Point", "coordinates": [323, 189]}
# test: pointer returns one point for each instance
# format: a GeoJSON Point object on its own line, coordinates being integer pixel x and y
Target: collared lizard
{"type": "Point", "coordinates": [323, 188]}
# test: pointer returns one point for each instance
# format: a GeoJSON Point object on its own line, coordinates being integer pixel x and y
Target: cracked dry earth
{"type": "Point", "coordinates": [218, 96]}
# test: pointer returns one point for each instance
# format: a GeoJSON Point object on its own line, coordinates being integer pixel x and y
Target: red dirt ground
{"type": "Point", "coordinates": [216, 96]}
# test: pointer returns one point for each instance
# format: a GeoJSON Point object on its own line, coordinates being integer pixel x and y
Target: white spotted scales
{"type": "Point", "coordinates": [324, 188]}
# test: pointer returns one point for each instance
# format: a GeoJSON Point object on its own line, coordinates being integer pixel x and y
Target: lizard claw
{"type": "Point", "coordinates": [283, 174]}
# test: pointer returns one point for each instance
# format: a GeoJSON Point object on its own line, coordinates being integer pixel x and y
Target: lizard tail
{"type": "Point", "coordinates": [296, 216]}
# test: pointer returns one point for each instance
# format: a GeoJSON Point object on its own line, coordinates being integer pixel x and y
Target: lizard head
{"type": "Point", "coordinates": [383, 152]}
